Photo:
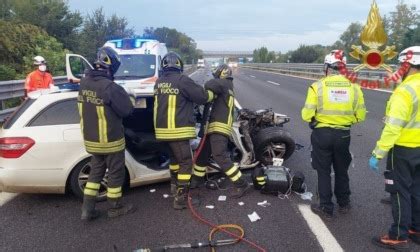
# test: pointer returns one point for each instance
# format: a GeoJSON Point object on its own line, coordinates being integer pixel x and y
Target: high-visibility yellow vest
{"type": "Point", "coordinates": [334, 102]}
{"type": "Point", "coordinates": [402, 121]}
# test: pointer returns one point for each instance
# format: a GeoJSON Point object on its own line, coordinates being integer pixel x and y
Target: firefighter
{"type": "Point", "coordinates": [175, 95]}
{"type": "Point", "coordinates": [219, 130]}
{"type": "Point", "coordinates": [400, 139]}
{"type": "Point", "coordinates": [40, 78]}
{"type": "Point", "coordinates": [102, 105]}
{"type": "Point", "coordinates": [332, 105]}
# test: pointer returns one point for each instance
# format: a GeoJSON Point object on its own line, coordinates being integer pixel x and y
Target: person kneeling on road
{"type": "Point", "coordinates": [102, 105]}
{"type": "Point", "coordinates": [175, 95]}
{"type": "Point", "coordinates": [333, 104]}
{"type": "Point", "coordinates": [219, 130]}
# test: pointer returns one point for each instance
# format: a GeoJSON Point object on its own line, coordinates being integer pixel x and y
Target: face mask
{"type": "Point", "coordinates": [42, 68]}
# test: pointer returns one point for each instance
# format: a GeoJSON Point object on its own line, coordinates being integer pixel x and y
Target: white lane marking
{"type": "Point", "coordinates": [6, 197]}
{"type": "Point", "coordinates": [274, 83]}
{"type": "Point", "coordinates": [252, 76]}
{"type": "Point", "coordinates": [320, 230]}
{"type": "Point", "coordinates": [308, 78]}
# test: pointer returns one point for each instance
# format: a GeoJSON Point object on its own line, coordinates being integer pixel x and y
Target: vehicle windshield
{"type": "Point", "coordinates": [136, 66]}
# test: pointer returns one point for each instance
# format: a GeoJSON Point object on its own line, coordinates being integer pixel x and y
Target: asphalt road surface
{"type": "Point", "coordinates": [52, 222]}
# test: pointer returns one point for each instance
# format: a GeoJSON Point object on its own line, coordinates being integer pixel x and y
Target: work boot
{"type": "Point", "coordinates": [322, 211]}
{"type": "Point", "coordinates": [118, 209]}
{"type": "Point", "coordinates": [344, 209]}
{"type": "Point", "coordinates": [241, 186]}
{"type": "Point", "coordinates": [386, 242]}
{"type": "Point", "coordinates": [386, 201]}
{"type": "Point", "coordinates": [88, 208]}
{"type": "Point", "coordinates": [181, 198]}
{"type": "Point", "coordinates": [173, 185]}
{"type": "Point", "coordinates": [414, 236]}
{"type": "Point", "coordinates": [196, 182]}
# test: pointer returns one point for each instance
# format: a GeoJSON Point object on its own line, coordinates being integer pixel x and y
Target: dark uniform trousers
{"type": "Point", "coordinates": [331, 147]}
{"type": "Point", "coordinates": [115, 163]}
{"type": "Point", "coordinates": [403, 183]}
{"type": "Point", "coordinates": [181, 159]}
{"type": "Point", "coordinates": [216, 145]}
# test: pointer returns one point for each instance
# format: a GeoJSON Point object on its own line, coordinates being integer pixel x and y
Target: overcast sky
{"type": "Point", "coordinates": [244, 24]}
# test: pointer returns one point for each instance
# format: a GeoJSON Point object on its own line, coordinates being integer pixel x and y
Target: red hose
{"type": "Point", "coordinates": [198, 217]}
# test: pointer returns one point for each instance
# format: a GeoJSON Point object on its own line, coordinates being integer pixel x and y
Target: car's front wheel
{"type": "Point", "coordinates": [79, 178]}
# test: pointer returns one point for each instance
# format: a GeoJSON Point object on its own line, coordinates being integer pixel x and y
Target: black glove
{"type": "Point", "coordinates": [313, 123]}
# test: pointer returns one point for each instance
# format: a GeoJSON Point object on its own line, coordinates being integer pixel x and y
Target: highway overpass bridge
{"type": "Point", "coordinates": [227, 54]}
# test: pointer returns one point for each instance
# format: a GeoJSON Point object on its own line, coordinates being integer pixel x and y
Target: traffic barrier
{"type": "Point", "coordinates": [316, 71]}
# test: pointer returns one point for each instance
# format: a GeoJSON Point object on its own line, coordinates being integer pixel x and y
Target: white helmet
{"type": "Point", "coordinates": [39, 60]}
{"type": "Point", "coordinates": [335, 56]}
{"type": "Point", "coordinates": [410, 55]}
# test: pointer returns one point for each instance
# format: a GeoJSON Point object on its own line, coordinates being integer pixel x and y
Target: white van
{"type": "Point", "coordinates": [200, 63]}
{"type": "Point", "coordinates": [140, 64]}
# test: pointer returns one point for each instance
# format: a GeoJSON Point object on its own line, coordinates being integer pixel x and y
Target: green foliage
{"type": "Point", "coordinates": [262, 55]}
{"type": "Point", "coordinates": [53, 16]}
{"type": "Point", "coordinates": [401, 21]}
{"type": "Point", "coordinates": [412, 37]}
{"type": "Point", "coordinates": [306, 54]}
{"type": "Point", "coordinates": [20, 42]}
{"type": "Point", "coordinates": [7, 73]}
{"type": "Point", "coordinates": [97, 29]}
{"type": "Point", "coordinates": [176, 41]}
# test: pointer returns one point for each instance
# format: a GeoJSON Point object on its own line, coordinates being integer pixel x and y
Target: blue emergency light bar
{"type": "Point", "coordinates": [129, 43]}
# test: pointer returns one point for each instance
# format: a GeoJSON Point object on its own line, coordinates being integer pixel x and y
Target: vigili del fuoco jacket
{"type": "Point", "coordinates": [221, 116]}
{"type": "Point", "coordinates": [175, 95]}
{"type": "Point", "coordinates": [102, 105]}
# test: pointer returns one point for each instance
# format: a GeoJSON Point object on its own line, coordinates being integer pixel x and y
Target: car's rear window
{"type": "Point", "coordinates": [17, 113]}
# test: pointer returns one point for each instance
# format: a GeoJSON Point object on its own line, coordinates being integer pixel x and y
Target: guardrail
{"type": "Point", "coordinates": [15, 89]}
{"type": "Point", "coordinates": [315, 70]}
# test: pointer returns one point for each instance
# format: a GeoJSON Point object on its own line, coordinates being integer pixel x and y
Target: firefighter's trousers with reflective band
{"type": "Point", "coordinates": [115, 163]}
{"type": "Point", "coordinates": [181, 154]}
{"type": "Point", "coordinates": [402, 181]}
{"type": "Point", "coordinates": [330, 147]}
{"type": "Point", "coordinates": [217, 146]}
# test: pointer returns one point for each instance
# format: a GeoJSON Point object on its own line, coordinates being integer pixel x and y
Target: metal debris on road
{"type": "Point", "coordinates": [152, 190]}
{"type": "Point", "coordinates": [165, 195]}
{"type": "Point", "coordinates": [210, 206]}
{"type": "Point", "coordinates": [254, 217]}
{"type": "Point", "coordinates": [241, 203]}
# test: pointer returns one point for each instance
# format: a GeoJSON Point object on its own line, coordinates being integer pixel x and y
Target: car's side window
{"type": "Point", "coordinates": [62, 112]}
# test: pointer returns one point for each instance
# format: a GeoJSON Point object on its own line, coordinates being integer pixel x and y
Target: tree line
{"type": "Point", "coordinates": [402, 26]}
{"type": "Point", "coordinates": [49, 28]}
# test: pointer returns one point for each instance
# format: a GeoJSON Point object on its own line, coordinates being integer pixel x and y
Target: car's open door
{"type": "Point", "coordinates": [76, 65]}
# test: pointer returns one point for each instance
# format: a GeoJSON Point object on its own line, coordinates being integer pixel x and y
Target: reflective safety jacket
{"type": "Point", "coordinates": [37, 80]}
{"type": "Point", "coordinates": [173, 115]}
{"type": "Point", "coordinates": [102, 105]}
{"type": "Point", "coordinates": [334, 102]}
{"type": "Point", "coordinates": [402, 121]}
{"type": "Point", "coordinates": [221, 116]}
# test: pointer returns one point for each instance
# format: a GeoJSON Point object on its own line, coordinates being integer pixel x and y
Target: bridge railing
{"type": "Point", "coordinates": [316, 71]}
{"type": "Point", "coordinates": [15, 89]}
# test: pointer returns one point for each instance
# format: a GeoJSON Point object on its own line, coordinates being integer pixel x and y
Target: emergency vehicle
{"type": "Point", "coordinates": [140, 64]}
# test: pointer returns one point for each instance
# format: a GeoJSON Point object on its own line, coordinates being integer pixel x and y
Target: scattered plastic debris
{"type": "Point", "coordinates": [241, 203]}
{"type": "Point", "coordinates": [165, 195]}
{"type": "Point", "coordinates": [152, 190]}
{"type": "Point", "coordinates": [222, 198]}
{"type": "Point", "coordinates": [254, 217]}
{"type": "Point", "coordinates": [306, 195]}
{"type": "Point", "coordinates": [210, 206]}
{"type": "Point", "coordinates": [264, 203]}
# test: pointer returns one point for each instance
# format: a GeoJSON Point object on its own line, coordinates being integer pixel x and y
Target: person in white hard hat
{"type": "Point", "coordinates": [400, 142]}
{"type": "Point", "coordinates": [332, 106]}
{"type": "Point", "coordinates": [40, 78]}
